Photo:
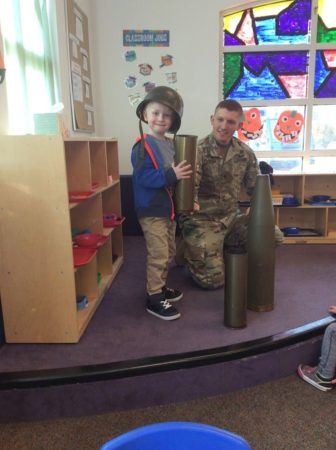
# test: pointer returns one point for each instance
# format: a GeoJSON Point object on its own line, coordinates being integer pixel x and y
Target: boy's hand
{"type": "Point", "coordinates": [182, 170]}
{"type": "Point", "coordinates": [196, 207]}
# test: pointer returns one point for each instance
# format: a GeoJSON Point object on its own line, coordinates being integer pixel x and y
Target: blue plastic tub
{"type": "Point", "coordinates": [177, 436]}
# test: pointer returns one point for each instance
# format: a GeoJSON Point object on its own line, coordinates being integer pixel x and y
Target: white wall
{"type": "Point", "coordinates": [194, 43]}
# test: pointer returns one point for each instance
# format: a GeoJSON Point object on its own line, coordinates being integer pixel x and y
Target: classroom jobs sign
{"type": "Point", "coordinates": [146, 38]}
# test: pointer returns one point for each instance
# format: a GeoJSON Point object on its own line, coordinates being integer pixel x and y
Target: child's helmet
{"type": "Point", "coordinates": [168, 97]}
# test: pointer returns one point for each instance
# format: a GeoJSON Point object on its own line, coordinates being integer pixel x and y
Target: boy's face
{"type": "Point", "coordinates": [224, 124]}
{"type": "Point", "coordinates": [159, 118]}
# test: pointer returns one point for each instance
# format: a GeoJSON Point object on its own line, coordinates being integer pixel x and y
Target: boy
{"type": "Point", "coordinates": [154, 175]}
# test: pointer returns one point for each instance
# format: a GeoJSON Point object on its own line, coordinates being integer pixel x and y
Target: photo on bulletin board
{"type": "Point", "coordinates": [80, 69]}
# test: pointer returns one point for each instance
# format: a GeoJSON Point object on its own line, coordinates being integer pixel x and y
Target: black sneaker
{"type": "Point", "coordinates": [172, 295]}
{"type": "Point", "coordinates": [163, 310]}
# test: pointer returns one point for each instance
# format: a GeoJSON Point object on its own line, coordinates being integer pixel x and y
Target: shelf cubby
{"type": "Point", "coordinates": [39, 283]}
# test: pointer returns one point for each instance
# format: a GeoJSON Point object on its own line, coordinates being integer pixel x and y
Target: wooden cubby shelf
{"type": "Point", "coordinates": [39, 283]}
{"type": "Point", "coordinates": [321, 218]}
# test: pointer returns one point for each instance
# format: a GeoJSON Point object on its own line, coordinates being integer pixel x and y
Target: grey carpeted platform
{"type": "Point", "coordinates": [122, 330]}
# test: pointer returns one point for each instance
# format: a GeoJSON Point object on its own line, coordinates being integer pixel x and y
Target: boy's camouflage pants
{"type": "Point", "coordinates": [159, 234]}
{"type": "Point", "coordinates": [205, 240]}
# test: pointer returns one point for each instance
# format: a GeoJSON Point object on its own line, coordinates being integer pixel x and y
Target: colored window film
{"type": "Point", "coordinates": [326, 25]}
{"type": "Point", "coordinates": [323, 127]}
{"type": "Point", "coordinates": [273, 128]}
{"type": "Point", "coordinates": [265, 75]}
{"type": "Point", "coordinates": [285, 165]}
{"type": "Point", "coordinates": [320, 164]}
{"type": "Point", "coordinates": [286, 22]}
{"type": "Point", "coordinates": [325, 74]}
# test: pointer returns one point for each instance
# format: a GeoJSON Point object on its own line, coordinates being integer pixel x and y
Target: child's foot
{"type": "Point", "coordinates": [309, 374]}
{"type": "Point", "coordinates": [172, 295]}
{"type": "Point", "coordinates": [161, 308]}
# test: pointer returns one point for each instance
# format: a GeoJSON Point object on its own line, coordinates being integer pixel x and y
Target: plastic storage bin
{"type": "Point", "coordinates": [177, 436]}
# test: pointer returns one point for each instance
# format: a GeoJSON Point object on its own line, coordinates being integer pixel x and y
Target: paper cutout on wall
{"type": "Point", "coordinates": [252, 127]}
{"type": "Point", "coordinates": [130, 55]}
{"type": "Point", "coordinates": [166, 60]}
{"type": "Point", "coordinates": [149, 86]}
{"type": "Point", "coordinates": [130, 82]}
{"type": "Point", "coordinates": [135, 99]}
{"type": "Point", "coordinates": [171, 77]}
{"type": "Point", "coordinates": [288, 126]}
{"type": "Point", "coordinates": [145, 69]}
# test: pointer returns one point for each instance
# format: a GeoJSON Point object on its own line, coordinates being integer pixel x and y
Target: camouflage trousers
{"type": "Point", "coordinates": [206, 239]}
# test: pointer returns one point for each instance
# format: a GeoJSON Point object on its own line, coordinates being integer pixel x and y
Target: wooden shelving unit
{"type": "Point", "coordinates": [321, 218]}
{"type": "Point", "coordinates": [39, 283]}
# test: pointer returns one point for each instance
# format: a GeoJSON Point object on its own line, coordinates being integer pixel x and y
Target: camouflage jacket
{"type": "Point", "coordinates": [219, 180]}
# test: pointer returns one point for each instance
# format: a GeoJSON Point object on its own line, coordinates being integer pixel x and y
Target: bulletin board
{"type": "Point", "coordinates": [80, 69]}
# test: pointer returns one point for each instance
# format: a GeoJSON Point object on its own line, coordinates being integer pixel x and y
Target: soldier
{"type": "Point", "coordinates": [224, 165]}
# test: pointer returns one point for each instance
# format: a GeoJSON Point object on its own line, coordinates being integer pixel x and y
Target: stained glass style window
{"type": "Point", "coordinates": [326, 22]}
{"type": "Point", "coordinates": [286, 22]}
{"type": "Point", "coordinates": [273, 128]}
{"type": "Point", "coordinates": [325, 74]}
{"type": "Point", "coordinates": [265, 75]}
{"type": "Point", "coordinates": [279, 62]}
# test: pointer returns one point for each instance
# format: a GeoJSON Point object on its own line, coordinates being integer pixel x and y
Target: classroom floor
{"type": "Point", "coordinates": [121, 329]}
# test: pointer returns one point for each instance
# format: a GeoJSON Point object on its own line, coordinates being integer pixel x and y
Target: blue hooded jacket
{"type": "Point", "coordinates": [152, 182]}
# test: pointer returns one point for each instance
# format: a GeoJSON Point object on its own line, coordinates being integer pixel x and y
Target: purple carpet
{"type": "Point", "coordinates": [122, 330]}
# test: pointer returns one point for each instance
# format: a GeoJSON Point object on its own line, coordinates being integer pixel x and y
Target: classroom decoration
{"type": "Point", "coordinates": [146, 38]}
{"type": "Point", "coordinates": [130, 55]}
{"type": "Point", "coordinates": [135, 99]}
{"type": "Point", "coordinates": [148, 86]}
{"type": "Point", "coordinates": [166, 60]}
{"type": "Point", "coordinates": [288, 126]}
{"type": "Point", "coordinates": [141, 68]}
{"type": "Point", "coordinates": [252, 127]}
{"type": "Point", "coordinates": [326, 21]}
{"type": "Point", "coordinates": [130, 81]}
{"type": "Point", "coordinates": [325, 74]}
{"type": "Point", "coordinates": [265, 75]}
{"type": "Point", "coordinates": [80, 68]}
{"type": "Point", "coordinates": [145, 69]}
{"type": "Point", "coordinates": [286, 22]}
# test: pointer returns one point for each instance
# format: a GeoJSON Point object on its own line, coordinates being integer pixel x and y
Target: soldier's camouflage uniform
{"type": "Point", "coordinates": [219, 224]}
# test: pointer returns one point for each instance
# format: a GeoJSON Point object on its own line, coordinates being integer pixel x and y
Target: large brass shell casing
{"type": "Point", "coordinates": [235, 290]}
{"type": "Point", "coordinates": [261, 248]}
{"type": "Point", "coordinates": [185, 149]}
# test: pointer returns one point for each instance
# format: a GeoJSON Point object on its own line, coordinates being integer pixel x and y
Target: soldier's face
{"type": "Point", "coordinates": [224, 124]}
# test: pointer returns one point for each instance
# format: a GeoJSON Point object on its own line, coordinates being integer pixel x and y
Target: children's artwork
{"type": "Point", "coordinates": [145, 69]}
{"type": "Point", "coordinates": [149, 86]}
{"type": "Point", "coordinates": [135, 99]}
{"type": "Point", "coordinates": [130, 56]}
{"type": "Point", "coordinates": [288, 126]}
{"type": "Point", "coordinates": [130, 82]}
{"type": "Point", "coordinates": [166, 60]}
{"type": "Point", "coordinates": [252, 127]}
{"type": "Point", "coordinates": [171, 77]}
